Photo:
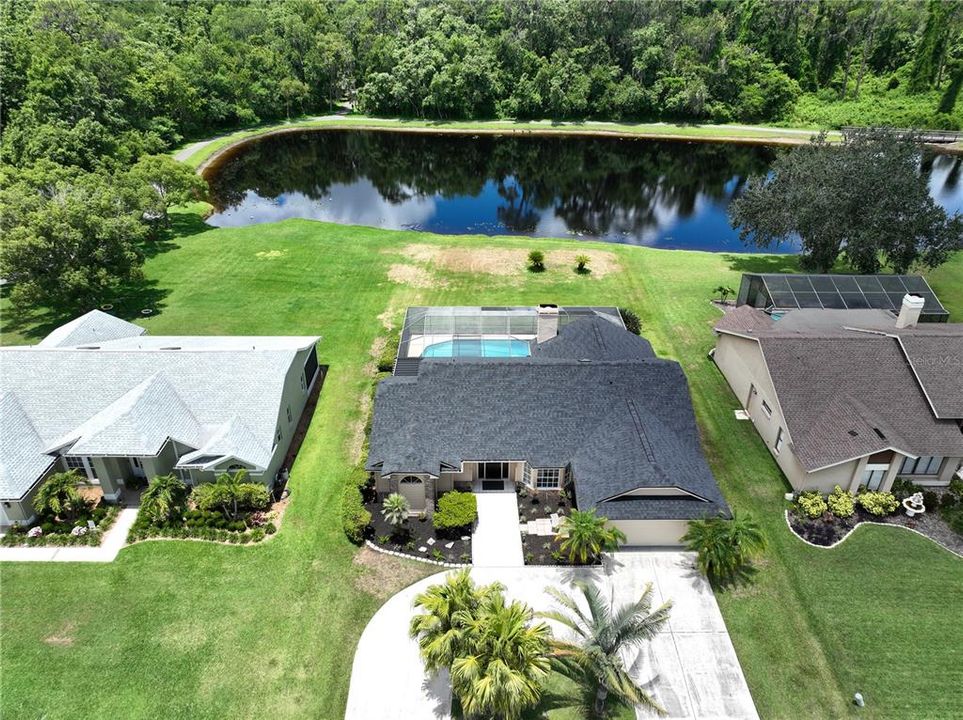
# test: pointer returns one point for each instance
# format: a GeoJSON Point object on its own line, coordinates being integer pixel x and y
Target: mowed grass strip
{"type": "Point", "coordinates": [181, 629]}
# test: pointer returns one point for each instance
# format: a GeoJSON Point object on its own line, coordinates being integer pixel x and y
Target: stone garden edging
{"type": "Point", "coordinates": [859, 524]}
{"type": "Point", "coordinates": [428, 561]}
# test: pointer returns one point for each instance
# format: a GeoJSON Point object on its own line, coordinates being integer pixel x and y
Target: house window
{"type": "Point", "coordinates": [82, 465]}
{"type": "Point", "coordinates": [277, 438]}
{"type": "Point", "coordinates": [925, 465]}
{"type": "Point", "coordinates": [766, 409]}
{"type": "Point", "coordinates": [493, 471]}
{"type": "Point", "coordinates": [873, 476]}
{"type": "Point", "coordinates": [185, 476]}
{"type": "Point", "coordinates": [303, 384]}
{"type": "Point", "coordinates": [547, 478]}
{"type": "Point", "coordinates": [777, 446]}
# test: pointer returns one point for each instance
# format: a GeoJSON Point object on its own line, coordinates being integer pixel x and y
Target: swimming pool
{"type": "Point", "coordinates": [489, 348]}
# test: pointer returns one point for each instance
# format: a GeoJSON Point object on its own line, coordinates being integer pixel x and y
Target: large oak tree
{"type": "Point", "coordinates": [865, 201]}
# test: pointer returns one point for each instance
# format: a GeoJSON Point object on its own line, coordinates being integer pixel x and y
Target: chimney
{"type": "Point", "coordinates": [909, 314]}
{"type": "Point", "coordinates": [547, 322]}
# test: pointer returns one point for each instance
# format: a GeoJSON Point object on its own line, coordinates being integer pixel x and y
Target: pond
{"type": "Point", "coordinates": [643, 192]}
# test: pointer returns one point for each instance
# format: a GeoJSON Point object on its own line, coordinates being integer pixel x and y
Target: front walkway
{"type": "Point", "coordinates": [497, 540]}
{"type": "Point", "coordinates": [691, 668]}
{"type": "Point", "coordinates": [113, 541]}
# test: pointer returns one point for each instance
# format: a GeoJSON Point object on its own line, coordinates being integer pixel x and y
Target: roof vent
{"type": "Point", "coordinates": [879, 433]}
{"type": "Point", "coordinates": [853, 433]}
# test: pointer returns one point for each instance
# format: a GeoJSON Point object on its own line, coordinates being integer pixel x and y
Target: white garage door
{"type": "Point", "coordinates": [652, 533]}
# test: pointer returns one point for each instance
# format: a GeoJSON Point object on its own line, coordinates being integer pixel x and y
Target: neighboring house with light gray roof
{"type": "Point", "coordinates": [849, 397]}
{"type": "Point", "coordinates": [99, 397]}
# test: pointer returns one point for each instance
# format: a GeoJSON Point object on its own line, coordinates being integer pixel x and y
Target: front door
{"type": "Point", "coordinates": [493, 475]}
{"type": "Point", "coordinates": [137, 468]}
{"type": "Point", "coordinates": [413, 490]}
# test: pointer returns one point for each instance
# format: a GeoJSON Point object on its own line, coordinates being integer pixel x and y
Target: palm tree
{"type": "Point", "coordinates": [223, 492]}
{"type": "Point", "coordinates": [395, 510]}
{"type": "Point", "coordinates": [725, 547]}
{"type": "Point", "coordinates": [58, 496]}
{"type": "Point", "coordinates": [164, 495]}
{"type": "Point", "coordinates": [583, 535]}
{"type": "Point", "coordinates": [506, 660]}
{"type": "Point", "coordinates": [440, 628]}
{"type": "Point", "coordinates": [601, 637]}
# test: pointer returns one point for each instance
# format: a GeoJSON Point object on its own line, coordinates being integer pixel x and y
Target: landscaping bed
{"type": "Point", "coordinates": [195, 524]}
{"type": "Point", "coordinates": [418, 533]}
{"type": "Point", "coordinates": [541, 505]}
{"type": "Point", "coordinates": [47, 532]}
{"type": "Point", "coordinates": [937, 523]}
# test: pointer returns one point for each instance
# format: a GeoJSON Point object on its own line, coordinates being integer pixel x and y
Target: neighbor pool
{"type": "Point", "coordinates": [489, 348]}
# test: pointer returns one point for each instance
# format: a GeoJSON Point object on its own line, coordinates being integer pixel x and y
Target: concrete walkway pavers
{"type": "Point", "coordinates": [691, 668]}
{"type": "Point", "coordinates": [496, 541]}
{"type": "Point", "coordinates": [113, 541]}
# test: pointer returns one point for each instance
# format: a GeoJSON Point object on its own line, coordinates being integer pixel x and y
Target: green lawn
{"type": "Point", "coordinates": [693, 131]}
{"type": "Point", "coordinates": [181, 629]}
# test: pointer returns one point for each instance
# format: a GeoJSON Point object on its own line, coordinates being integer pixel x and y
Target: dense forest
{"type": "Point", "coordinates": [84, 81]}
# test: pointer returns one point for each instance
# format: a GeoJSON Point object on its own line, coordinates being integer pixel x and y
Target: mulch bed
{"type": "Point", "coordinates": [543, 549]}
{"type": "Point", "coordinates": [829, 529]}
{"type": "Point", "coordinates": [416, 535]}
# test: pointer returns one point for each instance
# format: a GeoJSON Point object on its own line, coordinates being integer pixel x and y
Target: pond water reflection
{"type": "Point", "coordinates": [660, 194]}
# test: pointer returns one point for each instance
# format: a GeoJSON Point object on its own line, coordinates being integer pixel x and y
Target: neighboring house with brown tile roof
{"type": "Point", "coordinates": [849, 397]}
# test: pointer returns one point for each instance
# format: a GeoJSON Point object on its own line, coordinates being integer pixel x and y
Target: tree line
{"type": "Point", "coordinates": [84, 82]}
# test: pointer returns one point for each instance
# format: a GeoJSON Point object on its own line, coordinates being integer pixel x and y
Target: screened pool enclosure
{"type": "Point", "coordinates": [779, 293]}
{"type": "Point", "coordinates": [479, 332]}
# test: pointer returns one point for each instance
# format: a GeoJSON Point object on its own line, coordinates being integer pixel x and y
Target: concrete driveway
{"type": "Point", "coordinates": [691, 668]}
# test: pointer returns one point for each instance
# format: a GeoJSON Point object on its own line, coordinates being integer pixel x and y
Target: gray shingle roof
{"type": "Point", "coordinates": [21, 449]}
{"type": "Point", "coordinates": [94, 327]}
{"type": "Point", "coordinates": [121, 400]}
{"type": "Point", "coordinates": [552, 413]}
{"type": "Point", "coordinates": [594, 339]}
{"type": "Point", "coordinates": [139, 422]}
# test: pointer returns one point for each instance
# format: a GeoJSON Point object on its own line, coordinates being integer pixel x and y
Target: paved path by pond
{"type": "Point", "coordinates": [113, 541]}
{"type": "Point", "coordinates": [691, 668]}
{"type": "Point", "coordinates": [497, 541]}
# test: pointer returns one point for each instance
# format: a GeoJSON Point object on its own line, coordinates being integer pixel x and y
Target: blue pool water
{"type": "Point", "coordinates": [478, 348]}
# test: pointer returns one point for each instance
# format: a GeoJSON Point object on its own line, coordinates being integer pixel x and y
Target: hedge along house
{"type": "Point", "coordinates": [849, 397]}
{"type": "Point", "coordinates": [99, 397]}
{"type": "Point", "coordinates": [588, 408]}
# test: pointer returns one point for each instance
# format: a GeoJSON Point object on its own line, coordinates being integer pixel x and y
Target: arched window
{"type": "Point", "coordinates": [410, 480]}
{"type": "Point", "coordinates": [235, 468]}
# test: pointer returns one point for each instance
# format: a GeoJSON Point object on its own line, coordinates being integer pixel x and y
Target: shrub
{"type": "Point", "coordinates": [438, 555]}
{"type": "Point", "coordinates": [878, 503]}
{"type": "Point", "coordinates": [841, 503]}
{"type": "Point", "coordinates": [354, 517]}
{"type": "Point", "coordinates": [456, 510]}
{"type": "Point", "coordinates": [395, 510]}
{"type": "Point", "coordinates": [257, 534]}
{"type": "Point", "coordinates": [386, 360]}
{"type": "Point", "coordinates": [811, 504]}
{"type": "Point", "coordinates": [956, 487]}
{"type": "Point", "coordinates": [270, 528]}
{"type": "Point", "coordinates": [931, 500]}
{"type": "Point", "coordinates": [949, 500]}
{"type": "Point", "coordinates": [253, 496]}
{"type": "Point", "coordinates": [581, 264]}
{"type": "Point", "coordinates": [903, 488]}
{"type": "Point", "coordinates": [536, 261]}
{"type": "Point", "coordinates": [632, 322]}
